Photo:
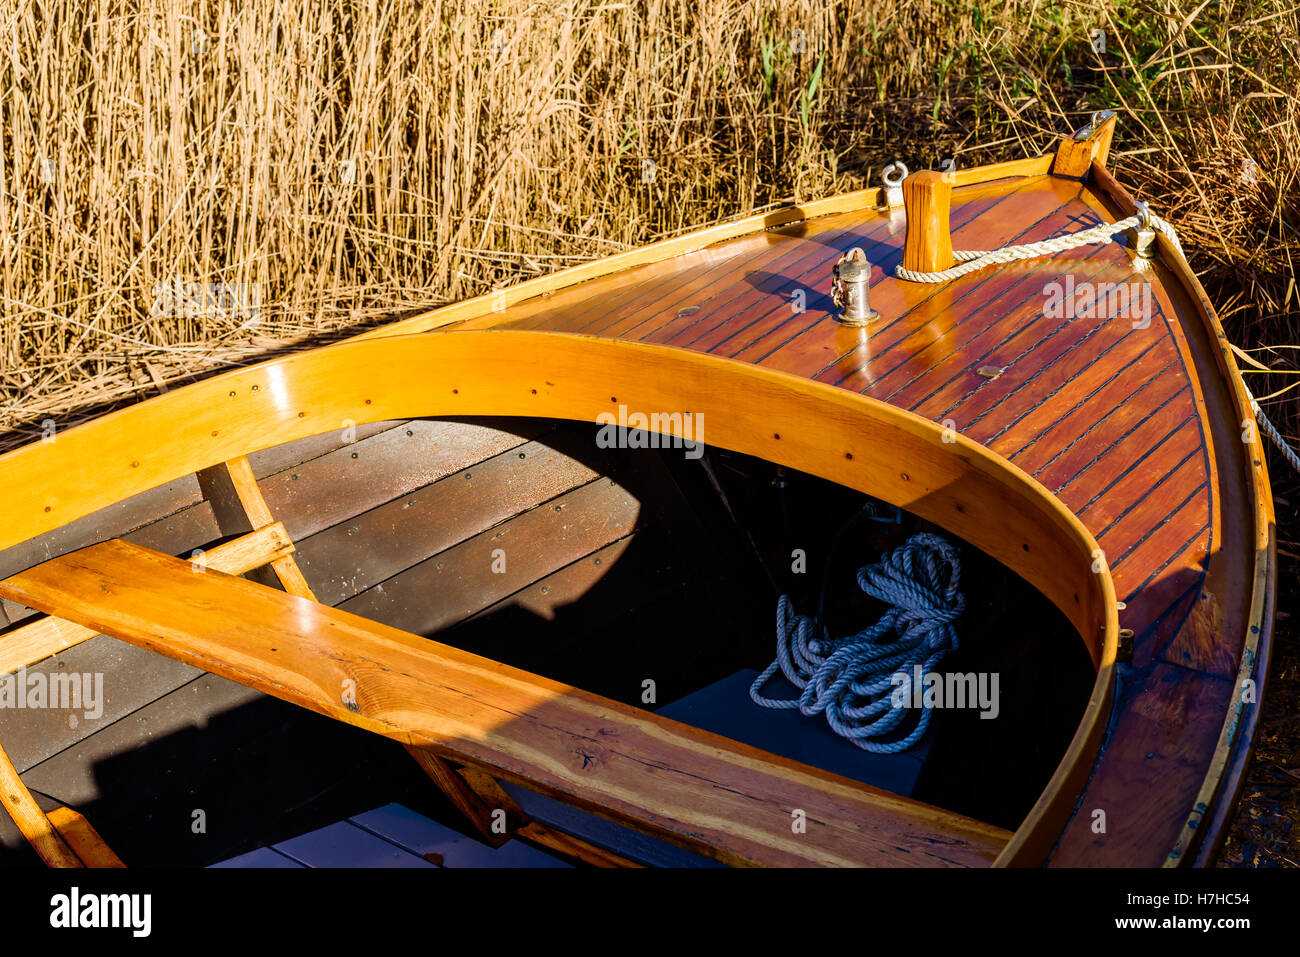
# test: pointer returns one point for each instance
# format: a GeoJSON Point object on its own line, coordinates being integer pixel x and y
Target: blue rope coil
{"type": "Point", "coordinates": [851, 679]}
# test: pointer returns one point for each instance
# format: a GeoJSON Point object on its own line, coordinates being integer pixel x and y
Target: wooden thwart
{"type": "Point", "coordinates": [699, 790]}
{"type": "Point", "coordinates": [35, 642]}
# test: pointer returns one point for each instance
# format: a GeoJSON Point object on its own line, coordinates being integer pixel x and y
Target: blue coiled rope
{"type": "Point", "coordinates": [851, 679]}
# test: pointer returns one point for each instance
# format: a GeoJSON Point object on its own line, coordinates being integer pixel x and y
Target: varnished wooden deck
{"type": "Point", "coordinates": [1109, 415]}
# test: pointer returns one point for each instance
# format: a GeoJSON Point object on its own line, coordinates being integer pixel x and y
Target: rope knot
{"type": "Point", "coordinates": [850, 679]}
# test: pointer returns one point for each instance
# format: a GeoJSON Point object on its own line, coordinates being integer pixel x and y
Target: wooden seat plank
{"type": "Point", "coordinates": [44, 637]}
{"type": "Point", "coordinates": [700, 790]}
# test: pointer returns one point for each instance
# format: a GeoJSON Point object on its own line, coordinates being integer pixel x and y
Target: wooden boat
{"type": "Point", "coordinates": [1103, 470]}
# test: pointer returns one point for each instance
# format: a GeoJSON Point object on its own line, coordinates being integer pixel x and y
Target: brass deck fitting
{"type": "Point", "coordinates": [849, 289]}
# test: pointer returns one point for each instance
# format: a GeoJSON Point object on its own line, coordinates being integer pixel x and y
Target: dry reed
{"type": "Point", "coordinates": [357, 159]}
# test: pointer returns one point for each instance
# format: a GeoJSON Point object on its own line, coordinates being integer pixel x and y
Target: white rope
{"type": "Point", "coordinates": [851, 680]}
{"type": "Point", "coordinates": [1271, 431]}
{"type": "Point", "coordinates": [973, 259]}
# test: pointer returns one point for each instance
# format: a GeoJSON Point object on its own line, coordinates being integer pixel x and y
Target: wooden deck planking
{"type": "Point", "coordinates": [988, 323]}
{"type": "Point", "coordinates": [566, 585]}
{"type": "Point", "coordinates": [960, 391]}
{"type": "Point", "coordinates": [1181, 470]}
{"type": "Point", "coordinates": [1100, 411]}
{"type": "Point", "coordinates": [731, 316]}
{"type": "Point", "coordinates": [817, 344]}
{"type": "Point", "coordinates": [942, 360]}
{"type": "Point", "coordinates": [132, 678]}
{"type": "Point", "coordinates": [1146, 423]}
{"type": "Point", "coordinates": [1213, 638]}
{"type": "Point", "coordinates": [1154, 760]}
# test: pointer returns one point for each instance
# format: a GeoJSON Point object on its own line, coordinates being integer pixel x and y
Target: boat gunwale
{"type": "Point", "coordinates": [1259, 625]}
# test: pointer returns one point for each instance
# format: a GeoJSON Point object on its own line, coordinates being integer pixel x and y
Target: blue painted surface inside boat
{"type": "Point", "coordinates": [262, 857]}
{"type": "Point", "coordinates": [344, 844]}
{"type": "Point", "coordinates": [725, 708]}
{"type": "Point", "coordinates": [390, 836]}
{"type": "Point", "coordinates": [422, 836]}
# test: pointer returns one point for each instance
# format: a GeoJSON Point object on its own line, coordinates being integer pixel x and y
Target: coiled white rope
{"type": "Point", "coordinates": [973, 259]}
{"type": "Point", "coordinates": [851, 679]}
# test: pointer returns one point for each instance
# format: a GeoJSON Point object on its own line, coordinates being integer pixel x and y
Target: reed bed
{"type": "Point", "coordinates": [353, 160]}
{"type": "Point", "coordinates": [357, 159]}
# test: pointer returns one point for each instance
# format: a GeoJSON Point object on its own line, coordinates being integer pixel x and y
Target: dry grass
{"type": "Point", "coordinates": [355, 159]}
